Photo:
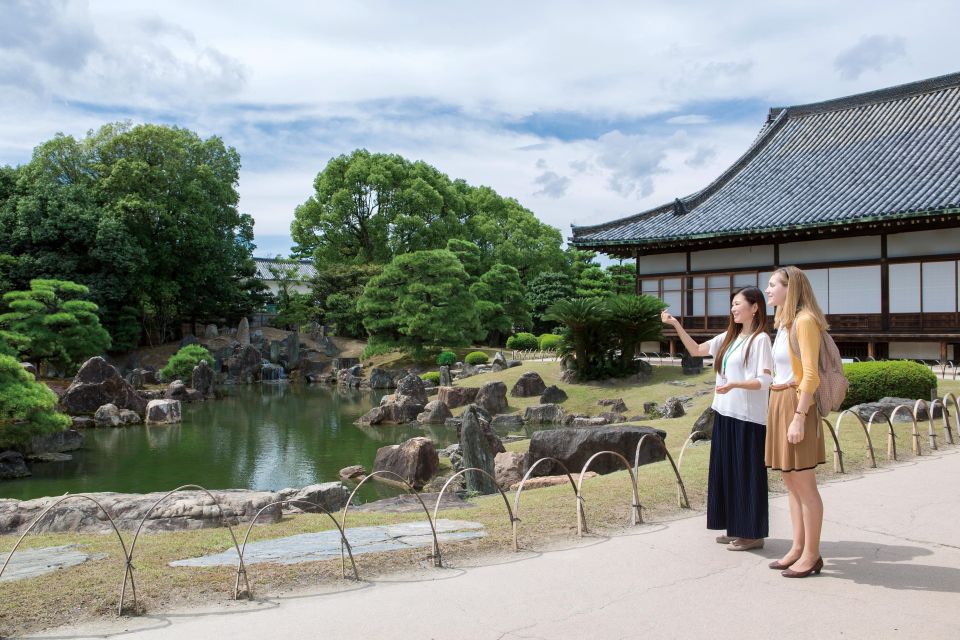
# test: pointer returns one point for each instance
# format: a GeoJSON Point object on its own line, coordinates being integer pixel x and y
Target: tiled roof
{"type": "Point", "coordinates": [887, 154]}
{"type": "Point", "coordinates": [305, 269]}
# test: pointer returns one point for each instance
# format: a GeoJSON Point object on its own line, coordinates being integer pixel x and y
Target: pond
{"type": "Point", "coordinates": [264, 437]}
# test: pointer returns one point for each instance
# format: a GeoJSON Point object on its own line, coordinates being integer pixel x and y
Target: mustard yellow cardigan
{"type": "Point", "coordinates": [806, 365]}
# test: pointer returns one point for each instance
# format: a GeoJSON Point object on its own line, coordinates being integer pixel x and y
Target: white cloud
{"type": "Point", "coordinates": [871, 53]}
{"type": "Point", "coordinates": [693, 118]}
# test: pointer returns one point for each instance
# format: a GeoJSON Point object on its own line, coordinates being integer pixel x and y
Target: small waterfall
{"type": "Point", "coordinates": [272, 373]}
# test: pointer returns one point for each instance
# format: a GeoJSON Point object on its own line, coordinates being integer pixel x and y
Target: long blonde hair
{"type": "Point", "coordinates": [800, 297]}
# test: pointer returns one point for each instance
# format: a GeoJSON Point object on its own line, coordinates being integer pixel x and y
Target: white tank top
{"type": "Point", "coordinates": [782, 369]}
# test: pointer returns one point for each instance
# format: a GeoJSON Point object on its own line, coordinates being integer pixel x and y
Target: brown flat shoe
{"type": "Point", "coordinates": [790, 573]}
{"type": "Point", "coordinates": [756, 544]}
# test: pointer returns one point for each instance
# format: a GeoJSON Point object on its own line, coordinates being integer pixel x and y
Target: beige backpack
{"type": "Point", "coordinates": [833, 383]}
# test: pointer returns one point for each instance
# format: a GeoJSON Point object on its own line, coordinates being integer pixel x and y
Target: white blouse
{"type": "Point", "coordinates": [744, 404]}
{"type": "Point", "coordinates": [782, 369]}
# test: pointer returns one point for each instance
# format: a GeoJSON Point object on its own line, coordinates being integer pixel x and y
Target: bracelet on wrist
{"type": "Point", "coordinates": [800, 413]}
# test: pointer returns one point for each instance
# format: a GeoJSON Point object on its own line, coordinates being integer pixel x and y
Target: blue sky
{"type": "Point", "coordinates": [584, 113]}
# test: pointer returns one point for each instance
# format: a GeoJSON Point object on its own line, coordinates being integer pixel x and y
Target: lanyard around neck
{"type": "Point", "coordinates": [736, 345]}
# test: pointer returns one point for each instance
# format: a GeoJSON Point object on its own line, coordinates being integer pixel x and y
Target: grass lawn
{"type": "Point", "coordinates": [547, 518]}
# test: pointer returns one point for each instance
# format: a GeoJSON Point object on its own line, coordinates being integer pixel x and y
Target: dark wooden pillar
{"type": "Point", "coordinates": [884, 285]}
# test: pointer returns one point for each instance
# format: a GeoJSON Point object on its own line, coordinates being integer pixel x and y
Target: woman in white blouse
{"type": "Point", "coordinates": [743, 360]}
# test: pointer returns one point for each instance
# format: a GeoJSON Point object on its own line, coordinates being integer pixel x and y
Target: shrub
{"type": "Point", "coordinates": [549, 341]}
{"type": "Point", "coordinates": [27, 407]}
{"type": "Point", "coordinates": [181, 364]}
{"type": "Point", "coordinates": [446, 358]}
{"type": "Point", "coordinates": [870, 381]}
{"type": "Point", "coordinates": [432, 377]}
{"type": "Point", "coordinates": [376, 349]}
{"type": "Point", "coordinates": [476, 357]}
{"type": "Point", "coordinates": [522, 341]}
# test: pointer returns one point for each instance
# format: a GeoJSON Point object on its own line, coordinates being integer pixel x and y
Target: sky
{"type": "Point", "coordinates": [583, 112]}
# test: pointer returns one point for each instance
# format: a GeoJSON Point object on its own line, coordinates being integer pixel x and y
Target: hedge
{"type": "Point", "coordinates": [181, 364]}
{"type": "Point", "coordinates": [431, 376]}
{"type": "Point", "coordinates": [476, 357]}
{"type": "Point", "coordinates": [446, 358]}
{"type": "Point", "coordinates": [522, 342]}
{"type": "Point", "coordinates": [870, 381]}
{"type": "Point", "coordinates": [549, 341]}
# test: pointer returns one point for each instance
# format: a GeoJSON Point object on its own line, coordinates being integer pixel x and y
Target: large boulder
{"type": "Point", "coordinates": [381, 379]}
{"type": "Point", "coordinates": [331, 496]}
{"type": "Point", "coordinates": [508, 468]}
{"type": "Point", "coordinates": [673, 408]}
{"type": "Point", "coordinates": [353, 472]}
{"type": "Point", "coordinates": [107, 416]}
{"type": "Point", "coordinates": [291, 349]}
{"type": "Point", "coordinates": [179, 391]}
{"type": "Point", "coordinates": [477, 452]}
{"type": "Point", "coordinates": [446, 380]}
{"type": "Point", "coordinates": [543, 414]}
{"type": "Point", "coordinates": [163, 412]}
{"type": "Point", "coordinates": [243, 367]}
{"type": "Point", "coordinates": [96, 384]}
{"type": "Point", "coordinates": [507, 421]}
{"type": "Point", "coordinates": [493, 397]}
{"type": "Point", "coordinates": [202, 379]}
{"type": "Point", "coordinates": [394, 410]}
{"type": "Point", "coordinates": [12, 465]}
{"type": "Point", "coordinates": [243, 333]}
{"type": "Point", "coordinates": [499, 362]}
{"type": "Point", "coordinates": [613, 404]}
{"type": "Point", "coordinates": [455, 397]}
{"type": "Point", "coordinates": [182, 511]}
{"type": "Point", "coordinates": [58, 441]}
{"type": "Point", "coordinates": [553, 395]}
{"type": "Point", "coordinates": [415, 460]}
{"type": "Point", "coordinates": [135, 378]}
{"type": "Point", "coordinates": [887, 405]}
{"type": "Point", "coordinates": [704, 425]}
{"type": "Point", "coordinates": [211, 331]}
{"type": "Point", "coordinates": [573, 447]}
{"type": "Point", "coordinates": [412, 386]}
{"type": "Point", "coordinates": [434, 413]}
{"type": "Point", "coordinates": [528, 385]}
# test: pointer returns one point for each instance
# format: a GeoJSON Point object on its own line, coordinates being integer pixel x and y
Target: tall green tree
{"type": "Point", "coordinates": [501, 303]}
{"type": "Point", "coordinates": [419, 302]}
{"type": "Point", "coordinates": [27, 407]}
{"type": "Point", "coordinates": [622, 278]}
{"type": "Point", "coordinates": [543, 291]}
{"type": "Point", "coordinates": [58, 327]}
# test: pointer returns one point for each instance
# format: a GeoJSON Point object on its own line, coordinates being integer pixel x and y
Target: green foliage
{"type": "Point", "coordinates": [145, 216]}
{"type": "Point", "coordinates": [549, 341]}
{"type": "Point", "coordinates": [341, 312]}
{"type": "Point", "coordinates": [432, 377]}
{"type": "Point", "coordinates": [339, 286]}
{"type": "Point", "coordinates": [375, 348]}
{"type": "Point", "coordinates": [446, 358]}
{"type": "Point", "coordinates": [295, 310]}
{"type": "Point", "coordinates": [476, 357]}
{"type": "Point", "coordinates": [181, 364]}
{"type": "Point", "coordinates": [870, 381]}
{"type": "Point", "coordinates": [603, 333]}
{"type": "Point", "coordinates": [546, 289]}
{"type": "Point", "coordinates": [523, 342]}
{"type": "Point", "coordinates": [419, 302]}
{"type": "Point", "coordinates": [594, 282]}
{"type": "Point", "coordinates": [369, 208]}
{"type": "Point", "coordinates": [27, 407]}
{"type": "Point", "coordinates": [501, 303]}
{"type": "Point", "coordinates": [53, 325]}
{"type": "Point", "coordinates": [622, 278]}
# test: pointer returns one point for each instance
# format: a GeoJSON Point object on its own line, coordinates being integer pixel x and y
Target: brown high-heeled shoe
{"type": "Point", "coordinates": [790, 573]}
{"type": "Point", "coordinates": [778, 566]}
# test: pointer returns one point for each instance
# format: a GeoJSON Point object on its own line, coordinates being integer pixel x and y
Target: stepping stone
{"type": "Point", "coordinates": [323, 545]}
{"type": "Point", "coordinates": [30, 563]}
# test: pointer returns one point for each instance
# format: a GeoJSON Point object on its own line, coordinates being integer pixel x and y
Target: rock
{"type": "Point", "coordinates": [291, 348]}
{"type": "Point", "coordinates": [50, 457]}
{"type": "Point", "coordinates": [412, 386]}
{"type": "Point", "coordinates": [353, 472]}
{"type": "Point", "coordinates": [163, 412]}
{"type": "Point", "coordinates": [415, 460]}
{"type": "Point", "coordinates": [150, 375]}
{"type": "Point", "coordinates": [350, 378]}
{"type": "Point", "coordinates": [651, 409]}
{"type": "Point", "coordinates": [179, 391]}
{"type": "Point", "coordinates": [613, 417]}
{"type": "Point", "coordinates": [569, 376]}
{"type": "Point", "coordinates": [455, 397]}
{"type": "Point", "coordinates": [569, 418]}
{"type": "Point", "coordinates": [434, 412]}
{"type": "Point", "coordinates": [275, 348]}
{"type": "Point", "coordinates": [150, 395]}
{"type": "Point", "coordinates": [135, 379]}
{"type": "Point", "coordinates": [96, 384]}
{"type": "Point", "coordinates": [644, 370]}
{"type": "Point", "coordinates": [514, 363]}
{"type": "Point", "coordinates": [394, 409]}
{"type": "Point", "coordinates": [202, 379]}
{"type": "Point", "coordinates": [29, 368]}
{"type": "Point", "coordinates": [704, 425]}
{"type": "Point", "coordinates": [188, 340]}
{"type": "Point", "coordinates": [446, 380]}
{"type": "Point", "coordinates": [614, 404]}
{"type": "Point", "coordinates": [508, 468]}
{"type": "Point", "coordinates": [456, 456]}
{"type": "Point", "coordinates": [543, 414]}
{"type": "Point", "coordinates": [107, 416]}
{"type": "Point", "coordinates": [211, 331]}
{"type": "Point", "coordinates": [553, 395]}
{"type": "Point", "coordinates": [331, 496]}
{"type": "Point", "coordinates": [691, 365]}
{"type": "Point", "coordinates": [673, 408]}
{"type": "Point", "coordinates": [573, 447]}
{"type": "Point", "coordinates": [12, 465]}
{"type": "Point", "coordinates": [550, 481]}
{"type": "Point", "coordinates": [243, 333]}
{"type": "Point", "coordinates": [344, 363]}
{"type": "Point", "coordinates": [594, 421]}
{"type": "Point", "coordinates": [129, 417]}
{"type": "Point", "coordinates": [507, 421]}
{"type": "Point", "coordinates": [82, 422]}
{"type": "Point", "coordinates": [530, 384]}
{"type": "Point", "coordinates": [493, 397]}
{"type": "Point", "coordinates": [477, 453]}
{"type": "Point", "coordinates": [886, 406]}
{"type": "Point", "coordinates": [244, 366]}
{"type": "Point", "coordinates": [468, 370]}
{"type": "Point", "coordinates": [59, 441]}
{"type": "Point", "coordinates": [381, 379]}
{"type": "Point", "coordinates": [182, 511]}
{"type": "Point", "coordinates": [499, 359]}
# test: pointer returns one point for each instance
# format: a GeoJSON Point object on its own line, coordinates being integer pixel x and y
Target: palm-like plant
{"type": "Point", "coordinates": [634, 319]}
{"type": "Point", "coordinates": [581, 316]}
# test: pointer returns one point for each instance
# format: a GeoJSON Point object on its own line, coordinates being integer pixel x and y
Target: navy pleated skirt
{"type": "Point", "coordinates": [737, 485]}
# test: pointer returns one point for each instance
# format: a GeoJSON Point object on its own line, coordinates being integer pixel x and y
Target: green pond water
{"type": "Point", "coordinates": [265, 437]}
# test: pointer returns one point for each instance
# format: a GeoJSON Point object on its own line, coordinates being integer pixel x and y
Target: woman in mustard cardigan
{"type": "Point", "coordinates": [795, 443]}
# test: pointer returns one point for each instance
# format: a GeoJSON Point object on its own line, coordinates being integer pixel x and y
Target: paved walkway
{"type": "Point", "coordinates": [891, 543]}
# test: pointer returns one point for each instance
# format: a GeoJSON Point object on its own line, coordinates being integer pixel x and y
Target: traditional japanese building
{"type": "Point", "coordinates": [861, 192]}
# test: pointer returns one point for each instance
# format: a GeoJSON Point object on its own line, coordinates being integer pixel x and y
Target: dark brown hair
{"type": "Point", "coordinates": [752, 295]}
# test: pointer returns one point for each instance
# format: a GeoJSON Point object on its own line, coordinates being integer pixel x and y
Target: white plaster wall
{"type": "Point", "coordinates": [733, 258]}
{"type": "Point", "coordinates": [923, 243]}
{"type": "Point", "coordinates": [663, 263]}
{"type": "Point", "coordinates": [838, 249]}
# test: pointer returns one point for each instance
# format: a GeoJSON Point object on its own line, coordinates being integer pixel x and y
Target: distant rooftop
{"type": "Point", "coordinates": [305, 269]}
{"type": "Point", "coordinates": [881, 156]}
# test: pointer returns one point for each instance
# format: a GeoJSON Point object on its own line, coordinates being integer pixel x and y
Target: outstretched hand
{"type": "Point", "coordinates": [666, 318]}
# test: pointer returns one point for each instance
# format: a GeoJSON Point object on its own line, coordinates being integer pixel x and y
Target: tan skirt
{"type": "Point", "coordinates": [780, 454]}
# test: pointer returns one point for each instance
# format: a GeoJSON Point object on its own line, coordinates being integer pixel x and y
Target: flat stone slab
{"type": "Point", "coordinates": [324, 545]}
{"type": "Point", "coordinates": [407, 503]}
{"type": "Point", "coordinates": [30, 563]}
